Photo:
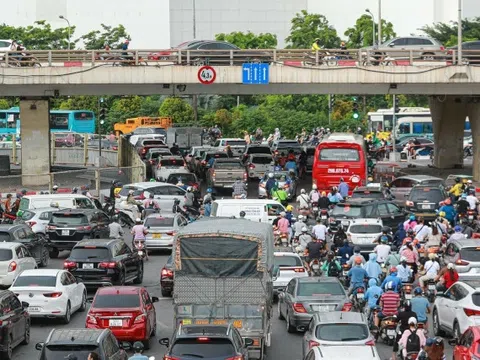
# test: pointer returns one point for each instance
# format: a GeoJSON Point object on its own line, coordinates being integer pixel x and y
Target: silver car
{"type": "Point", "coordinates": [162, 229]}
{"type": "Point", "coordinates": [37, 219]}
{"type": "Point", "coordinates": [164, 193]}
{"type": "Point", "coordinates": [425, 48]}
{"type": "Point", "coordinates": [340, 328]}
{"type": "Point", "coordinates": [287, 265]}
{"type": "Point", "coordinates": [257, 165]}
{"type": "Point", "coordinates": [465, 254]}
{"type": "Point", "coordinates": [357, 352]}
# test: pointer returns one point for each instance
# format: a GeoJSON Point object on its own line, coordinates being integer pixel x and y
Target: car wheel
{"type": "Point", "coordinates": [68, 314]}
{"type": "Point", "coordinates": [290, 328]}
{"type": "Point", "coordinates": [146, 344]}
{"type": "Point", "coordinates": [456, 330]}
{"type": "Point", "coordinates": [26, 337]}
{"type": "Point", "coordinates": [139, 277]}
{"type": "Point", "coordinates": [7, 353]}
{"type": "Point", "coordinates": [280, 316]}
{"type": "Point", "coordinates": [436, 324]}
{"type": "Point", "coordinates": [53, 252]}
{"type": "Point", "coordinates": [121, 278]}
{"type": "Point", "coordinates": [166, 293]}
{"type": "Point", "coordinates": [45, 257]}
{"type": "Point", "coordinates": [154, 330]}
{"type": "Point", "coordinates": [83, 305]}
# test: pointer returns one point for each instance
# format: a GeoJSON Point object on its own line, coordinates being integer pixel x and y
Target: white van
{"type": "Point", "coordinates": [255, 209]}
{"type": "Point", "coordinates": [70, 201]}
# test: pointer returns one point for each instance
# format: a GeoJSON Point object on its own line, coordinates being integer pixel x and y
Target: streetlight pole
{"type": "Point", "coordinates": [194, 11]}
{"type": "Point", "coordinates": [68, 22]}
{"type": "Point", "coordinates": [379, 22]}
{"type": "Point", "coordinates": [373, 25]}
{"type": "Point", "coordinates": [460, 35]}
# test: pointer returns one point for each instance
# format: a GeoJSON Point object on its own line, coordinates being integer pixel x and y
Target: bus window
{"type": "Point", "coordinates": [418, 128]}
{"type": "Point", "coordinates": [339, 155]}
{"type": "Point", "coordinates": [12, 120]}
{"type": "Point", "coordinates": [83, 115]}
{"type": "Point", "coordinates": [404, 128]}
{"type": "Point", "coordinates": [59, 121]}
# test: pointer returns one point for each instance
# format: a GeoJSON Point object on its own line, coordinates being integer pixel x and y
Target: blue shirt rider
{"type": "Point", "coordinates": [357, 275]}
{"type": "Point", "coordinates": [372, 268]}
{"type": "Point", "coordinates": [373, 293]}
{"type": "Point", "coordinates": [334, 196]}
{"type": "Point", "coordinates": [449, 210]}
{"type": "Point", "coordinates": [397, 282]}
{"type": "Point", "coordinates": [343, 188]}
{"type": "Point", "coordinates": [291, 165]}
{"type": "Point", "coordinates": [271, 182]}
{"type": "Point", "coordinates": [346, 252]}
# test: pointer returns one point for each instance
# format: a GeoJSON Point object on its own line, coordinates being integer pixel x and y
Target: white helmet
{"type": "Point", "coordinates": [138, 220]}
{"type": "Point", "coordinates": [130, 192]}
{"type": "Point", "coordinates": [450, 266]}
{"type": "Point", "coordinates": [282, 214]}
{"type": "Point", "coordinates": [55, 187]}
{"type": "Point", "coordinates": [302, 191]}
{"type": "Point", "coordinates": [270, 175]}
{"type": "Point", "coordinates": [189, 189]}
{"type": "Point", "coordinates": [412, 320]}
{"type": "Point", "coordinates": [314, 187]}
{"type": "Point", "coordinates": [300, 217]}
{"type": "Point", "coordinates": [469, 181]}
{"type": "Point", "coordinates": [304, 229]}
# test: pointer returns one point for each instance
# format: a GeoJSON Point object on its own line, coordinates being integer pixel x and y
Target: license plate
{"type": "Point", "coordinates": [322, 308]}
{"type": "Point", "coordinates": [324, 217]}
{"type": "Point", "coordinates": [431, 287]}
{"type": "Point", "coordinates": [315, 209]}
{"type": "Point", "coordinates": [115, 322]}
{"type": "Point", "coordinates": [470, 217]}
{"type": "Point", "coordinates": [87, 266]}
{"type": "Point", "coordinates": [65, 232]}
{"type": "Point", "coordinates": [157, 236]}
{"type": "Point", "coordinates": [360, 295]}
{"type": "Point", "coordinates": [315, 266]}
{"type": "Point", "coordinates": [425, 206]}
{"type": "Point", "coordinates": [33, 309]}
{"type": "Point", "coordinates": [408, 296]}
{"type": "Point", "coordinates": [390, 332]}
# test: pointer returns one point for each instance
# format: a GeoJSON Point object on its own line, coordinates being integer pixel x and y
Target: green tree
{"type": "Point", "coordinates": [39, 36]}
{"type": "Point", "coordinates": [447, 33]}
{"type": "Point", "coordinates": [4, 104]}
{"type": "Point", "coordinates": [249, 40]}
{"type": "Point", "coordinates": [178, 109]}
{"type": "Point", "coordinates": [113, 36]}
{"type": "Point", "coordinates": [361, 34]}
{"type": "Point", "coordinates": [81, 102]}
{"type": "Point", "coordinates": [307, 27]}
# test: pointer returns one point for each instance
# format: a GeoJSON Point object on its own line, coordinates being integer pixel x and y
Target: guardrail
{"type": "Point", "coordinates": [306, 57]}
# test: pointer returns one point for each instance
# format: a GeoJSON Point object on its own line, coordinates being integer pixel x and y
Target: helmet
{"type": "Point", "coordinates": [153, 180]}
{"type": "Point", "coordinates": [412, 320]}
{"type": "Point", "coordinates": [403, 259]}
{"type": "Point", "coordinates": [469, 181]}
{"type": "Point", "coordinates": [209, 190]}
{"type": "Point", "coordinates": [289, 208]}
{"type": "Point", "coordinates": [270, 175]}
{"type": "Point", "coordinates": [137, 346]}
{"type": "Point", "coordinates": [176, 201]}
{"type": "Point", "coordinates": [242, 214]}
{"type": "Point", "coordinates": [55, 187]}
{"type": "Point", "coordinates": [389, 285]}
{"type": "Point", "coordinates": [86, 187]}
{"type": "Point", "coordinates": [314, 187]}
{"type": "Point", "coordinates": [304, 229]}
{"type": "Point", "coordinates": [458, 228]}
{"type": "Point", "coordinates": [358, 260]}
{"type": "Point", "coordinates": [386, 229]}
{"type": "Point", "coordinates": [432, 256]}
{"type": "Point", "coordinates": [442, 214]}
{"type": "Point", "coordinates": [418, 291]}
{"type": "Point", "coordinates": [283, 214]}
{"type": "Point", "coordinates": [300, 217]}
{"type": "Point", "coordinates": [115, 217]}
{"type": "Point", "coordinates": [130, 192]}
{"type": "Point", "coordinates": [384, 239]}
{"type": "Point", "coordinates": [357, 249]}
{"type": "Point", "coordinates": [330, 254]}
{"type": "Point", "coordinates": [138, 220]}
{"type": "Point", "coordinates": [302, 191]}
{"type": "Point", "coordinates": [316, 39]}
{"type": "Point", "coordinates": [457, 179]}
{"type": "Point", "coordinates": [189, 189]}
{"type": "Point", "coordinates": [438, 341]}
{"type": "Point", "coordinates": [324, 193]}
{"type": "Point", "coordinates": [393, 269]}
{"type": "Point", "coordinates": [23, 192]}
{"type": "Point", "coordinates": [412, 218]}
{"type": "Point", "coordinates": [75, 190]}
{"type": "Point", "coordinates": [450, 266]}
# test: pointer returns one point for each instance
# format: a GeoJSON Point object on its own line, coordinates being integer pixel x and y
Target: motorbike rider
{"type": "Point", "coordinates": [54, 189]}
{"type": "Point", "coordinates": [175, 150]}
{"type": "Point", "coordinates": [116, 231]}
{"type": "Point", "coordinates": [208, 196]}
{"type": "Point", "coordinates": [324, 201]}
{"type": "Point", "coordinates": [449, 211]}
{"type": "Point", "coordinates": [302, 164]}
{"type": "Point", "coordinates": [435, 349]}
{"type": "Point", "coordinates": [138, 349]}
{"type": "Point", "coordinates": [151, 203]}
{"type": "Point", "coordinates": [356, 255]}
{"type": "Point", "coordinates": [399, 235]}
{"type": "Point", "coordinates": [316, 46]}
{"type": "Point", "coordinates": [314, 250]}
{"type": "Point", "coordinates": [303, 200]}
{"type": "Point", "coordinates": [394, 257]}
{"type": "Point", "coordinates": [447, 277]}
{"type": "Point", "coordinates": [412, 341]}
{"type": "Point", "coordinates": [431, 267]}
{"type": "Point", "coordinates": [472, 200]}
{"type": "Point", "coordinates": [346, 251]}
{"type": "Point", "coordinates": [410, 223]}
{"type": "Point", "coordinates": [462, 205]}
{"type": "Point", "coordinates": [456, 189]}
{"type": "Point", "coordinates": [291, 165]}
{"type": "Point", "coordinates": [178, 209]}
{"type": "Point", "coordinates": [372, 267]}
{"type": "Point", "coordinates": [392, 278]}
{"type": "Point", "coordinates": [421, 230]}
{"type": "Point", "coordinates": [382, 250]}
{"type": "Point", "coordinates": [334, 196]}
{"type": "Point", "coordinates": [189, 198]}
{"type": "Point", "coordinates": [280, 194]}
{"type": "Point", "coordinates": [420, 305]}
{"type": "Point", "coordinates": [298, 225]}
{"type": "Point", "coordinates": [304, 238]}
{"type": "Point", "coordinates": [434, 239]}
{"type": "Point", "coordinates": [404, 272]}
{"type": "Point", "coordinates": [7, 204]}
{"type": "Point", "coordinates": [271, 182]}
{"type": "Point", "coordinates": [402, 318]}
{"type": "Point", "coordinates": [283, 223]}
{"type": "Point", "coordinates": [292, 183]}
{"type": "Point", "coordinates": [357, 275]}
{"type": "Point", "coordinates": [457, 235]}
{"type": "Point", "coordinates": [343, 188]}
{"type": "Point", "coordinates": [386, 231]}
{"type": "Point", "coordinates": [139, 231]}
{"type": "Point", "coordinates": [373, 294]}
{"type": "Point", "coordinates": [320, 231]}
{"type": "Point", "coordinates": [389, 302]}
{"type": "Point", "coordinates": [411, 255]}
{"type": "Point", "coordinates": [331, 267]}
{"type": "Point", "coordinates": [314, 195]}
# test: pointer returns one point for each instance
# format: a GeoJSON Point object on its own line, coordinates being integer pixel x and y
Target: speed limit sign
{"type": "Point", "coordinates": [207, 75]}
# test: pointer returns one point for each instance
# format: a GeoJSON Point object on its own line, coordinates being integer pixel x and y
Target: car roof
{"type": "Point", "coordinates": [96, 242]}
{"type": "Point", "coordinates": [360, 189]}
{"type": "Point", "coordinates": [157, 216]}
{"type": "Point", "coordinates": [317, 279]}
{"type": "Point", "coordinates": [419, 177]}
{"type": "Point", "coordinates": [9, 245]}
{"type": "Point", "coordinates": [340, 317]}
{"type": "Point", "coordinates": [54, 196]}
{"type": "Point", "coordinates": [41, 272]}
{"type": "Point", "coordinates": [117, 290]}
{"type": "Point", "coordinates": [228, 160]}
{"type": "Point", "coordinates": [75, 336]}
{"type": "Point", "coordinates": [284, 253]}
{"type": "Point", "coordinates": [147, 184]}
{"type": "Point", "coordinates": [466, 242]}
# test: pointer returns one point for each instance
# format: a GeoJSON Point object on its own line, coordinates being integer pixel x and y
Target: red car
{"type": "Point", "coordinates": [127, 311]}
{"type": "Point", "coordinates": [466, 348]}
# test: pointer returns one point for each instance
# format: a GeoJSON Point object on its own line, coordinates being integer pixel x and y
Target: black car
{"type": "Point", "coordinates": [97, 262]}
{"type": "Point", "coordinates": [424, 200]}
{"type": "Point", "coordinates": [14, 323]}
{"type": "Point", "coordinates": [22, 233]}
{"type": "Point", "coordinates": [208, 342]}
{"type": "Point", "coordinates": [62, 343]}
{"type": "Point", "coordinates": [67, 227]}
{"type": "Point", "coordinates": [390, 214]}
{"type": "Point", "coordinates": [166, 278]}
{"type": "Point", "coordinates": [470, 51]}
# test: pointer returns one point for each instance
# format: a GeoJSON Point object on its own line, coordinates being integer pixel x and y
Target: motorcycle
{"type": "Point", "coordinates": [359, 298]}
{"type": "Point", "coordinates": [344, 279]}
{"type": "Point", "coordinates": [139, 247]}
{"type": "Point", "coordinates": [315, 267]}
{"type": "Point", "coordinates": [324, 215]}
{"type": "Point", "coordinates": [280, 238]}
{"type": "Point", "coordinates": [431, 290]}
{"type": "Point", "coordinates": [421, 326]}
{"type": "Point", "coordinates": [388, 330]}
{"type": "Point", "coordinates": [8, 218]}
{"type": "Point", "coordinates": [315, 209]}
{"type": "Point", "coordinates": [406, 294]}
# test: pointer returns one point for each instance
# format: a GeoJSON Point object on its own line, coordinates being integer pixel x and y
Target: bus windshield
{"type": "Point", "coordinates": [338, 154]}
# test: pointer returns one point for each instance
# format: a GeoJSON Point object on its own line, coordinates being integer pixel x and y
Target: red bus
{"type": "Point", "coordinates": [340, 155]}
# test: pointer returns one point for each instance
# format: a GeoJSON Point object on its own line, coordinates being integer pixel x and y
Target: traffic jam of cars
{"type": "Point", "coordinates": [249, 243]}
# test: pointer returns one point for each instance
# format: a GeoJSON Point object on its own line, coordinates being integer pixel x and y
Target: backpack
{"type": "Point", "coordinates": [332, 270]}
{"type": "Point", "coordinates": [413, 342]}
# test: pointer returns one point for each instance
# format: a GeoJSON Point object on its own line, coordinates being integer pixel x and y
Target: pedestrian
{"type": "Point", "coordinates": [343, 188]}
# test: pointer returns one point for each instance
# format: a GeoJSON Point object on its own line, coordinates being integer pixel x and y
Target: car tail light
{"type": "Point", "coordinates": [151, 162]}
{"type": "Point", "coordinates": [91, 319]}
{"type": "Point", "coordinates": [144, 151]}
{"type": "Point", "coordinates": [166, 273]}
{"type": "Point", "coordinates": [312, 344]}
{"type": "Point", "coordinates": [360, 290]}
{"type": "Point", "coordinates": [409, 203]}
{"type": "Point", "coordinates": [461, 262]}
{"type": "Point", "coordinates": [69, 265]}
{"type": "Point", "coordinates": [251, 166]}
{"type": "Point", "coordinates": [84, 228]}
{"type": "Point", "coordinates": [51, 227]}
{"type": "Point", "coordinates": [107, 265]}
{"type": "Point", "coordinates": [53, 295]}
{"type": "Point", "coordinates": [140, 319]}
{"type": "Point", "coordinates": [214, 174]}
{"type": "Point", "coordinates": [203, 162]}
{"type": "Point", "coordinates": [299, 270]}
{"type": "Point", "coordinates": [31, 223]}
{"type": "Point", "coordinates": [12, 266]}
{"type": "Point", "coordinates": [471, 312]}
{"type": "Point", "coordinates": [171, 233]}
{"type": "Point", "coordinates": [238, 357]}
{"type": "Point", "coordinates": [442, 48]}
{"type": "Point", "coordinates": [347, 306]}
{"type": "Point", "coordinates": [245, 176]}
{"type": "Point", "coordinates": [298, 307]}
{"type": "Point", "coordinates": [167, 357]}
{"type": "Point", "coordinates": [370, 342]}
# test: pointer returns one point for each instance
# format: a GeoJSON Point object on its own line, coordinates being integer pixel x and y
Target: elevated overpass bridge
{"type": "Point", "coordinates": [454, 89]}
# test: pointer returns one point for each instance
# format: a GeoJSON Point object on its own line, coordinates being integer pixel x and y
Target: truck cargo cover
{"type": "Point", "coordinates": [218, 247]}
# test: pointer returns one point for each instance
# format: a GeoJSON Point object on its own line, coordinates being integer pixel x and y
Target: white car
{"type": "Point", "coordinates": [169, 165]}
{"type": "Point", "coordinates": [38, 219]}
{"type": "Point", "coordinates": [14, 259]}
{"type": "Point", "coordinates": [357, 352]}
{"type": "Point", "coordinates": [50, 293]}
{"type": "Point", "coordinates": [287, 266]}
{"type": "Point", "coordinates": [258, 164]}
{"type": "Point", "coordinates": [4, 46]}
{"type": "Point", "coordinates": [457, 308]}
{"type": "Point", "coordinates": [363, 232]}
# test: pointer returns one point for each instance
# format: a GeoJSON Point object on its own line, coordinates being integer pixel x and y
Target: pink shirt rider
{"type": "Point", "coordinates": [411, 256]}
{"type": "Point", "coordinates": [409, 224]}
{"type": "Point", "coordinates": [283, 225]}
{"type": "Point", "coordinates": [139, 232]}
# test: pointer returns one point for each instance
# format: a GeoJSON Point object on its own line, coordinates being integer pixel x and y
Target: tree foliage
{"type": "Point", "coordinates": [307, 27]}
{"type": "Point", "coordinates": [361, 34]}
{"type": "Point", "coordinates": [447, 34]}
{"type": "Point", "coordinates": [249, 40]}
{"type": "Point", "coordinates": [97, 39]}
{"type": "Point", "coordinates": [178, 109]}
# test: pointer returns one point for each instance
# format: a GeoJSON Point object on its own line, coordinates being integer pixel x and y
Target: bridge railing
{"type": "Point", "coordinates": [303, 57]}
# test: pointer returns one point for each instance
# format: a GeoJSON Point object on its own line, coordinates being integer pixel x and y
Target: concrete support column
{"type": "Point", "coordinates": [474, 117]}
{"type": "Point", "coordinates": [35, 135]}
{"type": "Point", "coordinates": [448, 116]}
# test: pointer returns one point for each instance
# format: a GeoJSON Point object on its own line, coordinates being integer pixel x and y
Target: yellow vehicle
{"type": "Point", "coordinates": [133, 123]}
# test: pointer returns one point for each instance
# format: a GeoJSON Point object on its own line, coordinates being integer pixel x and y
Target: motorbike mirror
{"type": "Point", "coordinates": [148, 227]}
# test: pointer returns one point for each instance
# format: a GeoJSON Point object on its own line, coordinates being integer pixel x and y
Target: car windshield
{"type": "Point", "coordinates": [426, 194]}
{"type": "Point", "coordinates": [159, 221]}
{"type": "Point", "coordinates": [33, 280]}
{"type": "Point", "coordinates": [27, 215]}
{"type": "Point", "coordinates": [470, 254]}
{"type": "Point", "coordinates": [5, 237]}
{"type": "Point", "coordinates": [69, 219]}
{"type": "Point", "coordinates": [204, 347]}
{"type": "Point", "coordinates": [288, 145]}
{"type": "Point", "coordinates": [347, 210]}
{"type": "Point", "coordinates": [319, 288]}
{"type": "Point", "coordinates": [235, 143]}
{"type": "Point", "coordinates": [90, 252]}
{"type": "Point", "coordinates": [236, 165]}
{"type": "Point", "coordinates": [338, 154]}
{"type": "Point", "coordinates": [172, 162]}
{"type": "Point", "coordinates": [342, 332]}
{"type": "Point", "coordinates": [261, 159]}
{"type": "Point", "coordinates": [259, 150]}
{"type": "Point", "coordinates": [69, 352]}
{"type": "Point", "coordinates": [183, 178]}
{"type": "Point", "coordinates": [105, 301]}
{"type": "Point", "coordinates": [6, 254]}
{"type": "Point", "coordinates": [286, 261]}
{"type": "Point", "coordinates": [367, 194]}
{"type": "Point", "coordinates": [365, 229]}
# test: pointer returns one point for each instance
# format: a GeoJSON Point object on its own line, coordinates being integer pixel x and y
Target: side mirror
{"type": "Point", "coordinates": [155, 299]}
{"type": "Point", "coordinates": [90, 299]}
{"type": "Point", "coordinates": [453, 342]}
{"type": "Point", "coordinates": [25, 305]}
{"type": "Point", "coordinates": [39, 346]}
{"type": "Point", "coordinates": [248, 342]}
{"type": "Point", "coordinates": [148, 227]}
{"type": "Point", "coordinates": [164, 342]}
{"type": "Point", "coordinates": [125, 345]}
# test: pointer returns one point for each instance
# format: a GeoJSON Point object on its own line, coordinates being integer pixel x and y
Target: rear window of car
{"type": "Point", "coordinates": [259, 150]}
{"type": "Point", "coordinates": [6, 254]}
{"type": "Point", "coordinates": [69, 219]}
{"type": "Point", "coordinates": [286, 261]}
{"type": "Point", "coordinates": [126, 189]}
{"type": "Point", "coordinates": [104, 301]}
{"type": "Point", "coordinates": [204, 347]}
{"type": "Point", "coordinates": [476, 299]}
{"type": "Point", "coordinates": [365, 229]}
{"type": "Point", "coordinates": [30, 280]}
{"type": "Point", "coordinates": [236, 143]}
{"type": "Point", "coordinates": [339, 155]}
{"type": "Point", "coordinates": [63, 351]}
{"type": "Point", "coordinates": [171, 162]}
{"type": "Point", "coordinates": [159, 222]}
{"type": "Point", "coordinates": [342, 332]}
{"type": "Point", "coordinates": [228, 165]}
{"type": "Point", "coordinates": [319, 288]}
{"type": "Point", "coordinates": [152, 142]}
{"type": "Point", "coordinates": [27, 215]}
{"type": "Point", "coordinates": [347, 210]}
{"type": "Point", "coordinates": [426, 194]}
{"type": "Point", "coordinates": [5, 237]}
{"type": "Point", "coordinates": [470, 254]}
{"type": "Point", "coordinates": [367, 194]}
{"type": "Point", "coordinates": [91, 252]}
{"type": "Point", "coordinates": [216, 155]}
{"type": "Point", "coordinates": [261, 160]}
{"type": "Point", "coordinates": [184, 178]}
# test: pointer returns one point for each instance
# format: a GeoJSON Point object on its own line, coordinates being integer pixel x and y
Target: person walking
{"type": "Point", "coordinates": [343, 188]}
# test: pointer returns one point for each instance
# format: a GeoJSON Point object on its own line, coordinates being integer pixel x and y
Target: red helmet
{"type": "Point", "coordinates": [393, 269]}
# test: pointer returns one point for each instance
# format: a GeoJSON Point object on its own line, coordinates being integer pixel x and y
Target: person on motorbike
{"type": "Point", "coordinates": [434, 239]}
{"type": "Point", "coordinates": [434, 349]}
{"type": "Point", "coordinates": [402, 318]}
{"type": "Point", "coordinates": [304, 238]}
{"type": "Point", "coordinates": [386, 231]}
{"type": "Point", "coordinates": [280, 195]}
{"type": "Point", "coordinates": [449, 211]}
{"type": "Point", "coordinates": [314, 195]}
{"type": "Point", "coordinates": [320, 231]}
{"type": "Point", "coordinates": [394, 257]}
{"type": "Point", "coordinates": [291, 165]}
{"type": "Point", "coordinates": [457, 235]}
{"type": "Point", "coordinates": [404, 272]}
{"type": "Point", "coordinates": [357, 275]}
{"type": "Point", "coordinates": [175, 150]}
{"type": "Point", "coordinates": [421, 230]}
{"type": "Point", "coordinates": [420, 305]}
{"type": "Point", "coordinates": [302, 164]}
{"type": "Point", "coordinates": [389, 302]}
{"type": "Point", "coordinates": [372, 267]}
{"type": "Point", "coordinates": [239, 188]}
{"type": "Point", "coordinates": [412, 341]}
{"type": "Point", "coordinates": [303, 200]}
{"type": "Point", "coordinates": [392, 278]}
{"type": "Point", "coordinates": [356, 255]}
{"type": "Point", "coordinates": [7, 204]}
{"type": "Point", "coordinates": [411, 255]}
{"type": "Point", "coordinates": [314, 250]}
{"type": "Point", "coordinates": [291, 181]}
{"type": "Point", "coordinates": [334, 196]}
{"type": "Point", "coordinates": [139, 231]}
{"type": "Point", "coordinates": [298, 225]}
{"type": "Point", "coordinates": [466, 228]}
{"type": "Point", "coordinates": [208, 196]}
{"type": "Point", "coordinates": [138, 350]}
{"type": "Point", "coordinates": [270, 184]}
{"type": "Point", "coordinates": [151, 203]}
{"type": "Point", "coordinates": [324, 201]}
{"type": "Point", "coordinates": [189, 198]}
{"type": "Point", "coordinates": [178, 209]}
{"type": "Point", "coordinates": [472, 201]}
{"type": "Point", "coordinates": [331, 266]}
{"type": "Point", "coordinates": [410, 223]}
{"type": "Point", "coordinates": [343, 188]}
{"type": "Point", "coordinates": [346, 251]}
{"type": "Point", "coordinates": [373, 294]}
{"type": "Point", "coordinates": [457, 189]}
{"type": "Point", "coordinates": [431, 267]}
{"type": "Point", "coordinates": [382, 250]}
{"type": "Point", "coordinates": [283, 223]}
{"type": "Point", "coordinates": [116, 231]}
{"type": "Point", "coordinates": [447, 277]}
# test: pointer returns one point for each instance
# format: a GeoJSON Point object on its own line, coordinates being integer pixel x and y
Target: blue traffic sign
{"type": "Point", "coordinates": [254, 73]}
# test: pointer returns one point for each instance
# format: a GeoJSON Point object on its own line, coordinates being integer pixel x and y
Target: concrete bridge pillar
{"type": "Point", "coordinates": [448, 117]}
{"type": "Point", "coordinates": [35, 135]}
{"type": "Point", "coordinates": [474, 118]}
